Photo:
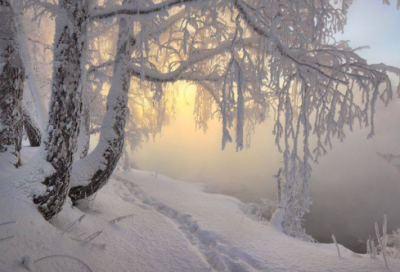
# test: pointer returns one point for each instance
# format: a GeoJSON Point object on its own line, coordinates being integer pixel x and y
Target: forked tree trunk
{"type": "Point", "coordinates": [31, 127]}
{"type": "Point", "coordinates": [11, 88]}
{"type": "Point", "coordinates": [60, 139]}
{"type": "Point", "coordinates": [92, 172]}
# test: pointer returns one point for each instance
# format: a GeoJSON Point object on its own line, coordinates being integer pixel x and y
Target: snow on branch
{"type": "Point", "coordinates": [179, 73]}
{"type": "Point", "coordinates": [42, 8]}
{"type": "Point", "coordinates": [133, 10]}
{"type": "Point", "coordinates": [64, 256]}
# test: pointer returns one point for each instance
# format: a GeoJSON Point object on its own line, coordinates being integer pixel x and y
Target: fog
{"type": "Point", "coordinates": [351, 186]}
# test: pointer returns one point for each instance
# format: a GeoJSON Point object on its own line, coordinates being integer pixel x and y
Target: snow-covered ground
{"type": "Point", "coordinates": [141, 221]}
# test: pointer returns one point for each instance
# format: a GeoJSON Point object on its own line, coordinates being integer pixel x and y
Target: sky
{"type": "Point", "coordinates": [376, 25]}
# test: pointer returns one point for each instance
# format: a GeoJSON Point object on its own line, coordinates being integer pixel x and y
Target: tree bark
{"type": "Point", "coordinates": [60, 139]}
{"type": "Point", "coordinates": [31, 127]}
{"type": "Point", "coordinates": [11, 88]}
{"type": "Point", "coordinates": [84, 134]}
{"type": "Point", "coordinates": [92, 172]}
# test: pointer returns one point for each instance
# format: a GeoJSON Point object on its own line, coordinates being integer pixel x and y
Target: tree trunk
{"type": "Point", "coordinates": [31, 127]}
{"type": "Point", "coordinates": [60, 139]}
{"type": "Point", "coordinates": [127, 162]}
{"type": "Point", "coordinates": [84, 133]}
{"type": "Point", "coordinates": [30, 75]}
{"type": "Point", "coordinates": [11, 88]}
{"type": "Point", "coordinates": [92, 172]}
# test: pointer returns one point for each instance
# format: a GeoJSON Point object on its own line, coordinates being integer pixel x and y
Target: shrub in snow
{"type": "Point", "coordinates": [393, 245]}
{"type": "Point", "coordinates": [260, 211]}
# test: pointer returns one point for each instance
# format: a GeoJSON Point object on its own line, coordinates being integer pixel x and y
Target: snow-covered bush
{"type": "Point", "coordinates": [260, 211]}
{"type": "Point", "coordinates": [393, 245]}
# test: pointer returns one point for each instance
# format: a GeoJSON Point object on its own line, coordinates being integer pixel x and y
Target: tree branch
{"type": "Point", "coordinates": [100, 14]}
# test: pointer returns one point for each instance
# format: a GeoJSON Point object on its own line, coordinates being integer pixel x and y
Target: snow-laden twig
{"type": "Point", "coordinates": [382, 240]}
{"type": "Point", "coordinates": [65, 256]}
{"type": "Point", "coordinates": [84, 242]}
{"type": "Point", "coordinates": [6, 238]}
{"type": "Point", "coordinates": [373, 249]}
{"type": "Point", "coordinates": [115, 220]}
{"type": "Point", "coordinates": [337, 247]}
{"type": "Point", "coordinates": [7, 223]}
{"type": "Point", "coordinates": [93, 236]}
{"type": "Point", "coordinates": [76, 221]}
{"type": "Point", "coordinates": [369, 248]}
{"type": "Point", "coordinates": [135, 10]}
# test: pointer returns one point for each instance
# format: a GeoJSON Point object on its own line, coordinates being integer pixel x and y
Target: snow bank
{"type": "Point", "coordinates": [145, 222]}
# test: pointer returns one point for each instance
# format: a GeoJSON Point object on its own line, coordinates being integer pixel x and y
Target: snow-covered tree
{"type": "Point", "coordinates": [247, 58]}
{"type": "Point", "coordinates": [60, 138]}
{"type": "Point", "coordinates": [94, 170]}
{"type": "Point", "coordinates": [11, 87]}
{"type": "Point", "coordinates": [32, 129]}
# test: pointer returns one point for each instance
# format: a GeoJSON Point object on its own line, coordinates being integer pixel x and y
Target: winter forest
{"type": "Point", "coordinates": [199, 135]}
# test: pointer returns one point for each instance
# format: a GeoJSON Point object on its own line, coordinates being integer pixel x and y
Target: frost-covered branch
{"type": "Point", "coordinates": [134, 10]}
{"type": "Point", "coordinates": [179, 73]}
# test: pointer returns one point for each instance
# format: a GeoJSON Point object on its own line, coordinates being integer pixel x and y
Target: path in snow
{"type": "Point", "coordinates": [214, 225]}
{"type": "Point", "coordinates": [212, 247]}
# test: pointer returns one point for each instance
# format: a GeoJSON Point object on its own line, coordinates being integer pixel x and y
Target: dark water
{"type": "Point", "coordinates": [352, 188]}
{"type": "Point", "coordinates": [348, 209]}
